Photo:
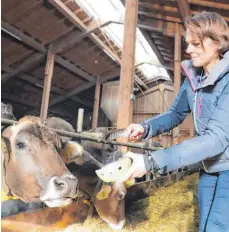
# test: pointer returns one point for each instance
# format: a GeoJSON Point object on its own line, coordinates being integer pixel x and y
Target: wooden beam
{"type": "Point", "coordinates": [140, 82]}
{"type": "Point", "coordinates": [115, 72]}
{"type": "Point", "coordinates": [47, 85]}
{"type": "Point", "coordinates": [168, 59]}
{"type": "Point", "coordinates": [125, 109]}
{"type": "Point", "coordinates": [159, 42]}
{"type": "Point", "coordinates": [157, 25]}
{"type": "Point", "coordinates": [28, 40]}
{"type": "Point", "coordinates": [82, 102]}
{"type": "Point", "coordinates": [41, 48]}
{"type": "Point", "coordinates": [225, 18]}
{"type": "Point", "coordinates": [160, 16]}
{"type": "Point", "coordinates": [158, 7]}
{"type": "Point", "coordinates": [67, 41]}
{"type": "Point", "coordinates": [96, 104]}
{"type": "Point", "coordinates": [164, 49]}
{"type": "Point", "coordinates": [211, 4]}
{"type": "Point", "coordinates": [177, 74]}
{"type": "Point", "coordinates": [37, 82]}
{"type": "Point", "coordinates": [30, 61]}
{"type": "Point", "coordinates": [14, 98]}
{"type": "Point", "coordinates": [76, 36]}
{"type": "Point", "coordinates": [169, 55]}
{"type": "Point", "coordinates": [33, 104]}
{"type": "Point", "coordinates": [71, 67]}
{"type": "Point", "coordinates": [76, 21]}
{"type": "Point", "coordinates": [104, 77]}
{"type": "Point", "coordinates": [58, 4]}
{"type": "Point", "coordinates": [77, 90]}
{"type": "Point", "coordinates": [184, 9]}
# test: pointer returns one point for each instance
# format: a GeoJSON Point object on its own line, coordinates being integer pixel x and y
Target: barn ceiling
{"type": "Point", "coordinates": [83, 51]}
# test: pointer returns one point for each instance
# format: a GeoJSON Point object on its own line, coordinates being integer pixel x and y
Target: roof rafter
{"type": "Point", "coordinates": [155, 6]}
{"type": "Point", "coordinates": [154, 47]}
{"type": "Point", "coordinates": [158, 25]}
{"type": "Point", "coordinates": [76, 21]}
{"type": "Point", "coordinates": [212, 4]}
{"type": "Point", "coordinates": [29, 62]}
{"type": "Point", "coordinates": [104, 77]}
{"type": "Point", "coordinates": [160, 16]}
{"type": "Point", "coordinates": [26, 102]}
{"type": "Point", "coordinates": [34, 80]}
{"type": "Point", "coordinates": [184, 9]}
{"type": "Point", "coordinates": [41, 48]}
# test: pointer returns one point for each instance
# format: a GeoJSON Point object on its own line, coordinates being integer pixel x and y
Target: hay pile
{"type": "Point", "coordinates": [170, 209]}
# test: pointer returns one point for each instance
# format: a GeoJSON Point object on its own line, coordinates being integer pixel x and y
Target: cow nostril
{"type": "Point", "coordinates": [59, 183]}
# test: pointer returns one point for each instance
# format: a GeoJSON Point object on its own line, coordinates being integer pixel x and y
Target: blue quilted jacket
{"type": "Point", "coordinates": [208, 100]}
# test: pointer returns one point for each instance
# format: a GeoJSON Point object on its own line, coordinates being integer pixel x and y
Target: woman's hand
{"type": "Point", "coordinates": [135, 131]}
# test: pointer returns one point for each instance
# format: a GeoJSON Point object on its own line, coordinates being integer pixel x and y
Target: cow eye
{"type": "Point", "coordinates": [20, 145]}
{"type": "Point", "coordinates": [120, 196]}
{"type": "Point", "coordinates": [54, 149]}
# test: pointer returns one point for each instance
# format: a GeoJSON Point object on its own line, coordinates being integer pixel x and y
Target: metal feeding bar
{"type": "Point", "coordinates": [89, 138]}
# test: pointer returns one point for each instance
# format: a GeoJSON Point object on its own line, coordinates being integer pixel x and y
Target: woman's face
{"type": "Point", "coordinates": [203, 53]}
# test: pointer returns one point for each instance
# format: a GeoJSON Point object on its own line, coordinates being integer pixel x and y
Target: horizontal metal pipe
{"type": "Point", "coordinates": [89, 138]}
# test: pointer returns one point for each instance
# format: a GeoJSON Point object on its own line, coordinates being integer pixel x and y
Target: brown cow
{"type": "Point", "coordinates": [109, 202]}
{"type": "Point", "coordinates": [33, 172]}
{"type": "Point", "coordinates": [32, 169]}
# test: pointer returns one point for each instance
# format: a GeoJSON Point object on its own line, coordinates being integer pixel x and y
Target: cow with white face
{"type": "Point", "coordinates": [32, 169]}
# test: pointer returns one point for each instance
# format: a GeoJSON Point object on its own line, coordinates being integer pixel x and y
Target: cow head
{"type": "Point", "coordinates": [7, 111]}
{"type": "Point", "coordinates": [31, 166]}
{"type": "Point", "coordinates": [110, 204]}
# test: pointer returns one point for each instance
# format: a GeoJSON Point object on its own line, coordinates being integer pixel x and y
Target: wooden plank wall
{"type": "Point", "coordinates": [156, 101]}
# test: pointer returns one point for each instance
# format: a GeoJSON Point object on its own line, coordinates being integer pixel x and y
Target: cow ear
{"type": "Point", "coordinates": [104, 192]}
{"type": "Point", "coordinates": [7, 133]}
{"type": "Point", "coordinates": [130, 182]}
{"type": "Point", "coordinates": [72, 150]}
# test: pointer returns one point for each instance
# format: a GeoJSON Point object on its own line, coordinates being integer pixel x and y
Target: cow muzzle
{"type": "Point", "coordinates": [119, 225]}
{"type": "Point", "coordinates": [60, 191]}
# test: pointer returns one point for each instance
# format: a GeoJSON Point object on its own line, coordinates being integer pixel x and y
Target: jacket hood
{"type": "Point", "coordinates": [217, 72]}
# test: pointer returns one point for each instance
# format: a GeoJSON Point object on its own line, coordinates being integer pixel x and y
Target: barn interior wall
{"type": "Point", "coordinates": [156, 101]}
{"type": "Point", "coordinates": [103, 120]}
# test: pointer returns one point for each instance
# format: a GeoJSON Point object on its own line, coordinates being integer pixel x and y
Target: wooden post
{"type": "Point", "coordinates": [177, 74]}
{"type": "Point", "coordinates": [47, 85]}
{"type": "Point", "coordinates": [125, 110]}
{"type": "Point", "coordinates": [96, 103]}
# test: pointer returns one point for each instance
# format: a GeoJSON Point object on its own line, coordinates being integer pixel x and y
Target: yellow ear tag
{"type": "Point", "coordinates": [86, 202]}
{"type": "Point", "coordinates": [5, 197]}
{"type": "Point", "coordinates": [130, 182]}
{"type": "Point", "coordinates": [104, 192]}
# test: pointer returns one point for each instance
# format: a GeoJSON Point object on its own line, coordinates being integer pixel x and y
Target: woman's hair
{"type": "Point", "coordinates": [209, 25]}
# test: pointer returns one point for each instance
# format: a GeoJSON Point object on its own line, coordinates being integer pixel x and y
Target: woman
{"type": "Point", "coordinates": [205, 92]}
